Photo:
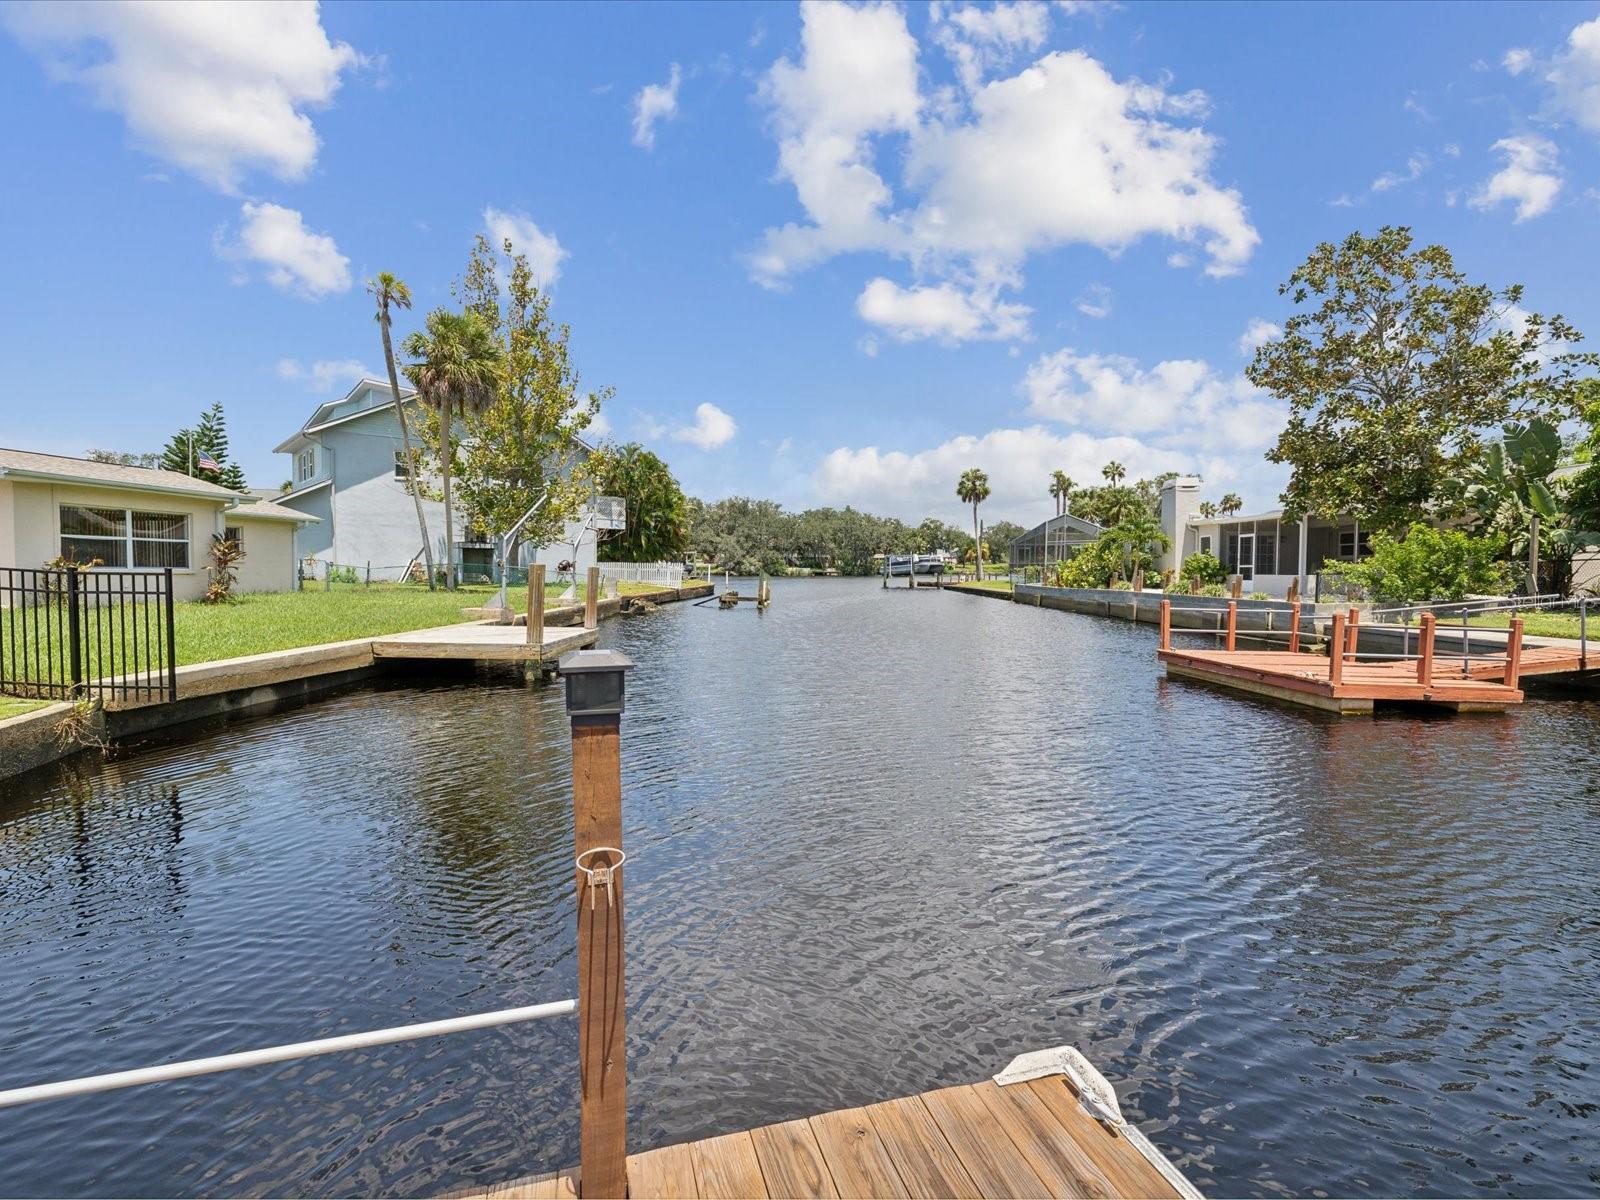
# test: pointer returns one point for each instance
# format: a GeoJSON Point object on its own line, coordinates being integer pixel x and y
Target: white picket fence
{"type": "Point", "coordinates": [665, 574]}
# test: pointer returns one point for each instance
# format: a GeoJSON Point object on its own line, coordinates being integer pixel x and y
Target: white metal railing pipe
{"type": "Point", "coordinates": [272, 1054]}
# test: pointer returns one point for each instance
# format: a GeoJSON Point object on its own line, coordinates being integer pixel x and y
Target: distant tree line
{"type": "Point", "coordinates": [748, 536]}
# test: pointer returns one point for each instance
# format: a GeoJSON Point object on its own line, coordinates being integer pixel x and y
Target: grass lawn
{"type": "Point", "coordinates": [989, 585]}
{"type": "Point", "coordinates": [265, 621]}
{"type": "Point", "coordinates": [1537, 624]}
{"type": "Point", "coordinates": [10, 706]}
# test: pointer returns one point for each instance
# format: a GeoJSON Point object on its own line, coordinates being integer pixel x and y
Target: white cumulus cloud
{"type": "Point", "coordinates": [295, 259]}
{"type": "Point", "coordinates": [1517, 60]}
{"type": "Point", "coordinates": [324, 375]}
{"type": "Point", "coordinates": [1258, 332]}
{"type": "Point", "coordinates": [1530, 177]}
{"type": "Point", "coordinates": [1574, 75]}
{"type": "Point", "coordinates": [712, 428]}
{"type": "Point", "coordinates": [216, 89]}
{"type": "Point", "coordinates": [1060, 153]}
{"type": "Point", "coordinates": [945, 313]}
{"type": "Point", "coordinates": [543, 250]}
{"type": "Point", "coordinates": [654, 103]}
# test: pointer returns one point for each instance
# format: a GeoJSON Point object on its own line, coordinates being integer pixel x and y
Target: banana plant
{"type": "Point", "coordinates": [1513, 493]}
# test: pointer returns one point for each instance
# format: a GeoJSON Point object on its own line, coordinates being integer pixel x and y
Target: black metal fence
{"type": "Point", "coordinates": [68, 633]}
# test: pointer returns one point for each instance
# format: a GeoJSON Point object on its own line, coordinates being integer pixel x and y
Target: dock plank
{"type": "Point", "coordinates": [667, 1172]}
{"type": "Point", "coordinates": [855, 1154]}
{"type": "Point", "coordinates": [791, 1161]}
{"type": "Point", "coordinates": [1128, 1172]}
{"type": "Point", "coordinates": [928, 1166]}
{"type": "Point", "coordinates": [726, 1168]}
{"type": "Point", "coordinates": [1051, 1151]}
{"type": "Point", "coordinates": [984, 1147]}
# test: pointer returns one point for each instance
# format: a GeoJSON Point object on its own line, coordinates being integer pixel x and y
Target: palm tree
{"type": "Point", "coordinates": [456, 368]}
{"type": "Point", "coordinates": [973, 489]}
{"type": "Point", "coordinates": [1114, 472]}
{"type": "Point", "coordinates": [1231, 504]}
{"type": "Point", "coordinates": [388, 289]}
{"type": "Point", "coordinates": [1137, 533]}
{"type": "Point", "coordinates": [1208, 510]}
{"type": "Point", "coordinates": [1061, 486]}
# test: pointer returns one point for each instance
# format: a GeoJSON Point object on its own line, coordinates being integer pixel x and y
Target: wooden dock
{"type": "Point", "coordinates": [981, 1140]}
{"type": "Point", "coordinates": [1343, 682]}
{"type": "Point", "coordinates": [478, 641]}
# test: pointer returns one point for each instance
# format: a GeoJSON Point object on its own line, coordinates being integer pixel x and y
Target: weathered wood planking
{"type": "Point", "coordinates": [977, 1141]}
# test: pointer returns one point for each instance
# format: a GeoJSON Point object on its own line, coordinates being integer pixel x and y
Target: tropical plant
{"type": "Point", "coordinates": [456, 367]}
{"type": "Point", "coordinates": [389, 291]}
{"type": "Point", "coordinates": [1141, 538]}
{"type": "Point", "coordinates": [1061, 485]}
{"type": "Point", "coordinates": [1208, 510]}
{"type": "Point", "coordinates": [657, 512]}
{"type": "Point", "coordinates": [222, 574]}
{"type": "Point", "coordinates": [973, 488]}
{"type": "Point", "coordinates": [1204, 567]}
{"type": "Point", "coordinates": [1230, 505]}
{"type": "Point", "coordinates": [1425, 564]}
{"type": "Point", "coordinates": [1114, 473]}
{"type": "Point", "coordinates": [1516, 498]}
{"type": "Point", "coordinates": [1391, 370]}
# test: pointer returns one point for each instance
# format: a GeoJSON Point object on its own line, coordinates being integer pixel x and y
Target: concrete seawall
{"type": "Point", "coordinates": [252, 685]}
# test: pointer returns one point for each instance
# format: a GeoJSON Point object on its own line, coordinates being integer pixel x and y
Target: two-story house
{"type": "Point", "coordinates": [348, 468]}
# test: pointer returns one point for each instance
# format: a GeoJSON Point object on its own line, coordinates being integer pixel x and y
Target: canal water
{"type": "Point", "coordinates": [878, 842]}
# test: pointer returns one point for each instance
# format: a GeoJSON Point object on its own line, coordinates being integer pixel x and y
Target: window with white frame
{"type": "Point", "coordinates": [402, 467]}
{"type": "Point", "coordinates": [1205, 543]}
{"type": "Point", "coordinates": [305, 464]}
{"type": "Point", "coordinates": [234, 534]}
{"type": "Point", "coordinates": [124, 537]}
{"type": "Point", "coordinates": [1353, 545]}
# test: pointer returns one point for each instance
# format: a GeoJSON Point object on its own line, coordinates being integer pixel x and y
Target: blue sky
{"type": "Point", "coordinates": [829, 255]}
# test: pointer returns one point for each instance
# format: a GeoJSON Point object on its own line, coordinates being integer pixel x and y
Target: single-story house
{"type": "Point", "coordinates": [1265, 550]}
{"type": "Point", "coordinates": [139, 518]}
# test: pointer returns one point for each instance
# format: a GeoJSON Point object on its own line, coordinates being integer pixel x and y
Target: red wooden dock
{"type": "Point", "coordinates": [1343, 682]}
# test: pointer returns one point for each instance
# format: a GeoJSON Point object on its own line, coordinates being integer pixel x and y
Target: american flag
{"type": "Point", "coordinates": [206, 463]}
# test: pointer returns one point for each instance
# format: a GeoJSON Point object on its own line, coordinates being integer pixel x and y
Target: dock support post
{"type": "Point", "coordinates": [1352, 631]}
{"type": "Point", "coordinates": [1514, 652]}
{"type": "Point", "coordinates": [1425, 649]}
{"type": "Point", "coordinates": [591, 599]}
{"type": "Point", "coordinates": [594, 704]}
{"type": "Point", "coordinates": [1233, 623]}
{"type": "Point", "coordinates": [1294, 627]}
{"type": "Point", "coordinates": [1336, 651]}
{"type": "Point", "coordinates": [1166, 624]}
{"type": "Point", "coordinates": [536, 604]}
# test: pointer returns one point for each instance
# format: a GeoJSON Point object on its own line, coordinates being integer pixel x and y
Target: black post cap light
{"type": "Point", "coordinates": [594, 682]}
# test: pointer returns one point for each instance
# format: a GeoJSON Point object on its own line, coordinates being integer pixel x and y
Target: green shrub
{"type": "Point", "coordinates": [1204, 567]}
{"type": "Point", "coordinates": [1426, 564]}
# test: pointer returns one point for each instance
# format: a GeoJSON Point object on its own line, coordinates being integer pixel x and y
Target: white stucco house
{"type": "Point", "coordinates": [348, 469]}
{"type": "Point", "coordinates": [1267, 551]}
{"type": "Point", "coordinates": [139, 519]}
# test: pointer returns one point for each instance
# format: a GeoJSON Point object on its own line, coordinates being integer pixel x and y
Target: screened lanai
{"type": "Point", "coordinates": [1056, 539]}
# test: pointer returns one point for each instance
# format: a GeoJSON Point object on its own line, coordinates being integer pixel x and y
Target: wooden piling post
{"type": "Point", "coordinates": [1514, 652]}
{"type": "Point", "coordinates": [1352, 631]}
{"type": "Point", "coordinates": [1294, 627]}
{"type": "Point", "coordinates": [602, 1062]}
{"type": "Point", "coordinates": [1425, 649]}
{"type": "Point", "coordinates": [1166, 624]}
{"type": "Point", "coordinates": [1236, 587]}
{"type": "Point", "coordinates": [591, 599]}
{"type": "Point", "coordinates": [1336, 651]}
{"type": "Point", "coordinates": [536, 604]}
{"type": "Point", "coordinates": [1233, 622]}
